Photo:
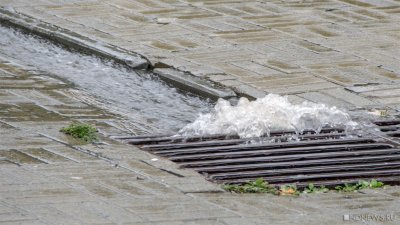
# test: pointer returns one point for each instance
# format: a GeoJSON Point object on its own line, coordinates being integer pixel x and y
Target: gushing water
{"type": "Point", "coordinates": [146, 99]}
{"type": "Point", "coordinates": [262, 116]}
{"type": "Point", "coordinates": [141, 98]}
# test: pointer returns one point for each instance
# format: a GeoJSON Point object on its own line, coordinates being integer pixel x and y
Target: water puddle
{"type": "Point", "coordinates": [137, 96]}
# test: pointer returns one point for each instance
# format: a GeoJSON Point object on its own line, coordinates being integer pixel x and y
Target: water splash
{"type": "Point", "coordinates": [264, 115]}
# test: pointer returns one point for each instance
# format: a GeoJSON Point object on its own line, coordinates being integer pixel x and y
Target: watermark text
{"type": "Point", "coordinates": [369, 217]}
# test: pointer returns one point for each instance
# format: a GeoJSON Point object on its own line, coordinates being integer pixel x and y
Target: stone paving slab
{"type": "Point", "coordinates": [48, 178]}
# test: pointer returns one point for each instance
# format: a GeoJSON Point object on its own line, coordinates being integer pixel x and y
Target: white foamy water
{"type": "Point", "coordinates": [144, 99]}
{"type": "Point", "coordinates": [264, 115]}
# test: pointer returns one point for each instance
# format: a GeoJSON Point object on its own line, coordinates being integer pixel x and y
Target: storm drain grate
{"type": "Point", "coordinates": [329, 158]}
{"type": "Point", "coordinates": [390, 127]}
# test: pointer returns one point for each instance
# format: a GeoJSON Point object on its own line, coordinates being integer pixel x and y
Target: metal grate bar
{"type": "Point", "coordinates": [306, 170]}
{"type": "Point", "coordinates": [286, 158]}
{"type": "Point", "coordinates": [263, 146]}
{"type": "Point", "coordinates": [389, 128]}
{"type": "Point", "coordinates": [156, 139]}
{"type": "Point", "coordinates": [278, 151]}
{"type": "Point", "coordinates": [393, 133]}
{"type": "Point", "coordinates": [211, 143]}
{"type": "Point", "coordinates": [387, 122]}
{"type": "Point", "coordinates": [329, 158]}
{"type": "Point", "coordinates": [297, 164]}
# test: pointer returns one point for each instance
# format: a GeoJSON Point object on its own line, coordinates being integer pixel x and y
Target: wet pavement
{"type": "Point", "coordinates": [48, 178]}
{"type": "Point", "coordinates": [153, 105]}
{"type": "Point", "coordinates": [340, 52]}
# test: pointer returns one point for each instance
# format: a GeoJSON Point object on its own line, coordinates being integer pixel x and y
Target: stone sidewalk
{"type": "Point", "coordinates": [340, 52]}
{"type": "Point", "coordinates": [345, 53]}
{"type": "Point", "coordinates": [48, 178]}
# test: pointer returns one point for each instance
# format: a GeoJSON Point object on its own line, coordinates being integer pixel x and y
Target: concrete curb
{"type": "Point", "coordinates": [180, 80]}
{"type": "Point", "coordinates": [72, 39]}
{"type": "Point", "coordinates": [193, 84]}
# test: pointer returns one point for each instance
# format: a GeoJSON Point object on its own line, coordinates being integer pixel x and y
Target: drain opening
{"type": "Point", "coordinates": [331, 157]}
{"type": "Point", "coordinates": [389, 127]}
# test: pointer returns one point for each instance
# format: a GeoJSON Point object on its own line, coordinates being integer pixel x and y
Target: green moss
{"type": "Point", "coordinates": [82, 131]}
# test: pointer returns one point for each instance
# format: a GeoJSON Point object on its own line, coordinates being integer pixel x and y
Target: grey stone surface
{"type": "Point", "coordinates": [305, 48]}
{"type": "Point", "coordinates": [48, 178]}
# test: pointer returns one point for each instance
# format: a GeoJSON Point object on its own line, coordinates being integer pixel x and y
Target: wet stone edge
{"type": "Point", "coordinates": [69, 39]}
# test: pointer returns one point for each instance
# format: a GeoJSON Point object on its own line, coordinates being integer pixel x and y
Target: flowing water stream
{"type": "Point", "coordinates": [138, 96]}
{"type": "Point", "coordinates": [143, 97]}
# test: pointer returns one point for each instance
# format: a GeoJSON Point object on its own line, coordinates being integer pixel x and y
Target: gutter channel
{"type": "Point", "coordinates": [132, 60]}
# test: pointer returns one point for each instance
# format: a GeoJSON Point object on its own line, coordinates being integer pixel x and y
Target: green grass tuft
{"type": "Point", "coordinates": [82, 131]}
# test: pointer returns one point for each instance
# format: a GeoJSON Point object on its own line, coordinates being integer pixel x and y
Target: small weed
{"type": "Point", "coordinates": [261, 186]}
{"type": "Point", "coordinates": [362, 184]}
{"type": "Point", "coordinates": [289, 190]}
{"type": "Point", "coordinates": [376, 184]}
{"type": "Point", "coordinates": [257, 186]}
{"type": "Point", "coordinates": [311, 188]}
{"type": "Point", "coordinates": [347, 188]}
{"type": "Point", "coordinates": [83, 131]}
